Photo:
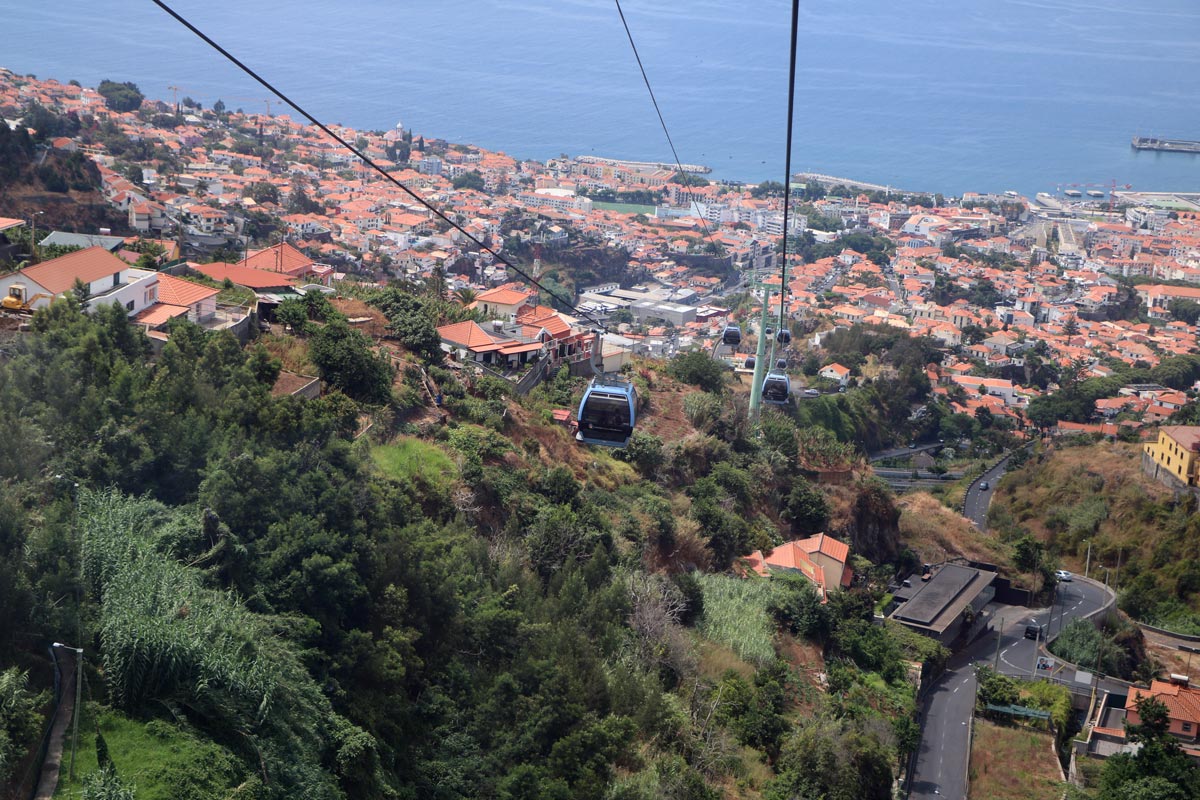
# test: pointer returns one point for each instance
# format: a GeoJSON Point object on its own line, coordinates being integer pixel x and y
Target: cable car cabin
{"type": "Point", "coordinates": [781, 363]}
{"type": "Point", "coordinates": [777, 388]}
{"type": "Point", "coordinates": [732, 336]}
{"type": "Point", "coordinates": [607, 413]}
{"type": "Point", "coordinates": [750, 362]}
{"type": "Point", "coordinates": [784, 337]}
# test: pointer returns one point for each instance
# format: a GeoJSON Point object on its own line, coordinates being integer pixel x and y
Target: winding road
{"type": "Point", "coordinates": [975, 507]}
{"type": "Point", "coordinates": [943, 757]}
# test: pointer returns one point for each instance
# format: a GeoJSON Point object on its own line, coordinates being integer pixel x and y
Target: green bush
{"type": "Point", "coordinates": [796, 606]}
{"type": "Point", "coordinates": [19, 719]}
{"type": "Point", "coordinates": [699, 369]}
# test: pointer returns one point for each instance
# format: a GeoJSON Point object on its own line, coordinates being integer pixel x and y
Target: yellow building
{"type": "Point", "coordinates": [1174, 459]}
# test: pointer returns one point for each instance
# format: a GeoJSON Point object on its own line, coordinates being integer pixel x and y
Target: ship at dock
{"type": "Point", "coordinates": [1165, 145]}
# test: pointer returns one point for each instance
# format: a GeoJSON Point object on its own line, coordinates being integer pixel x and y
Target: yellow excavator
{"type": "Point", "coordinates": [15, 300]}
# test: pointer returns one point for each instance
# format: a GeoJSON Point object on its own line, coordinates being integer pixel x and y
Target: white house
{"type": "Point", "coordinates": [835, 372]}
{"type": "Point", "coordinates": [108, 280]}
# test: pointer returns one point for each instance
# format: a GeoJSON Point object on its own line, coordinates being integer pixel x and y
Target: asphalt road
{"type": "Point", "coordinates": [941, 765]}
{"type": "Point", "coordinates": [897, 452]}
{"type": "Point", "coordinates": [978, 499]}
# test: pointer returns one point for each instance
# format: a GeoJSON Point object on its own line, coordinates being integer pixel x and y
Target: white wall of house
{"type": "Point", "coordinates": [138, 289]}
{"type": "Point", "coordinates": [205, 309]}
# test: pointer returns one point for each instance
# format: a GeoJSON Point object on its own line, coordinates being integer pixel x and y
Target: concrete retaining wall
{"type": "Point", "coordinates": [1187, 637]}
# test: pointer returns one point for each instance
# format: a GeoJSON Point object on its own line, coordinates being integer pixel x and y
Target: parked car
{"type": "Point", "coordinates": [812, 393]}
{"type": "Point", "coordinates": [1064, 576]}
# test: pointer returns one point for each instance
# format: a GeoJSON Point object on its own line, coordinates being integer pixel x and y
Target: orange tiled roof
{"type": "Point", "coordinates": [826, 545]}
{"type": "Point", "coordinates": [469, 335]}
{"type": "Point", "coordinates": [1182, 702]}
{"type": "Point", "coordinates": [282, 257]}
{"type": "Point", "coordinates": [178, 292]}
{"type": "Point", "coordinates": [159, 313]}
{"type": "Point", "coordinates": [245, 276]}
{"type": "Point", "coordinates": [503, 297]}
{"type": "Point", "coordinates": [89, 265]}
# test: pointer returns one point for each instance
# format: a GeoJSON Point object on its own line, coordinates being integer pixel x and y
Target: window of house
{"type": "Point", "coordinates": [1187, 727]}
{"type": "Point", "coordinates": [129, 306]}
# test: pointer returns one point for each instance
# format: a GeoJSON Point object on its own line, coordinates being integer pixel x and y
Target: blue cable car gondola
{"type": "Point", "coordinates": [750, 362]}
{"type": "Point", "coordinates": [607, 413]}
{"type": "Point", "coordinates": [781, 363]}
{"type": "Point", "coordinates": [731, 336]}
{"type": "Point", "coordinates": [777, 388]}
{"type": "Point", "coordinates": [784, 337]}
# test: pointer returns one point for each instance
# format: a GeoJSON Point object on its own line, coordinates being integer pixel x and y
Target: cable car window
{"type": "Point", "coordinates": [606, 412]}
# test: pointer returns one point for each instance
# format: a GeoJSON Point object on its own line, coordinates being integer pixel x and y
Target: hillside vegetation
{"type": "Point", "coordinates": [63, 189]}
{"type": "Point", "coordinates": [365, 596]}
{"type": "Point", "coordinates": [1076, 493]}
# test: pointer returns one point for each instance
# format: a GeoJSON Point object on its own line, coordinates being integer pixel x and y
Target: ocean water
{"type": "Point", "coordinates": [983, 95]}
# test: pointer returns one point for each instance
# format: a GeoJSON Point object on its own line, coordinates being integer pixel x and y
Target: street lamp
{"type": "Point", "coordinates": [1189, 651]}
{"type": "Point", "coordinates": [78, 695]}
{"type": "Point", "coordinates": [33, 234]}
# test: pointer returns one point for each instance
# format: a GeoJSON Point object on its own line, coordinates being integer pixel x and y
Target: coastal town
{"type": "Point", "coordinates": [1018, 292]}
{"type": "Point", "coordinates": [397, 340]}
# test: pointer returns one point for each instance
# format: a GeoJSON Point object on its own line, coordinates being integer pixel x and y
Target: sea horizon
{"type": "Point", "coordinates": [1030, 95]}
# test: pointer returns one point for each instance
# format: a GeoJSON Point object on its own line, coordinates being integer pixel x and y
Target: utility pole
{"type": "Point", "coordinates": [78, 700]}
{"type": "Point", "coordinates": [1189, 650]}
{"type": "Point", "coordinates": [1037, 642]}
{"type": "Point", "coordinates": [33, 254]}
{"type": "Point", "coordinates": [1088, 564]}
{"type": "Point", "coordinates": [999, 637]}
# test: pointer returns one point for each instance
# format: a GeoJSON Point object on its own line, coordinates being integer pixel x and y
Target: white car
{"type": "Point", "coordinates": [1063, 576]}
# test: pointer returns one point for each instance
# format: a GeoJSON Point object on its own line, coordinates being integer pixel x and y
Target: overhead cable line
{"type": "Point", "coordinates": [657, 110]}
{"type": "Point", "coordinates": [756, 387]}
{"type": "Point", "coordinates": [787, 167]}
{"type": "Point", "coordinates": [371, 163]}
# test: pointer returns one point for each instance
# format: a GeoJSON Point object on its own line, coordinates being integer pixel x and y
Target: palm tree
{"type": "Point", "coordinates": [465, 296]}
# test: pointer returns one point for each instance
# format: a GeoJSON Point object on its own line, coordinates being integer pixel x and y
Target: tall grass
{"type": "Point", "coordinates": [735, 615]}
{"type": "Point", "coordinates": [168, 638]}
{"type": "Point", "coordinates": [408, 458]}
{"type": "Point", "coordinates": [164, 761]}
{"type": "Point", "coordinates": [1011, 763]}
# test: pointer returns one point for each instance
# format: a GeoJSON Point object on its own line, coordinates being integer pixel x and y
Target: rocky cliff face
{"type": "Point", "coordinates": [867, 517]}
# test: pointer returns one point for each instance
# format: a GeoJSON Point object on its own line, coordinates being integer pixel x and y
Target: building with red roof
{"type": "Point", "coordinates": [821, 559]}
{"type": "Point", "coordinates": [106, 277]}
{"type": "Point", "coordinates": [256, 279]}
{"type": "Point", "coordinates": [502, 302]}
{"type": "Point", "coordinates": [1183, 710]}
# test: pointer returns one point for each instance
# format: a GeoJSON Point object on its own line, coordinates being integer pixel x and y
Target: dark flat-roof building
{"type": "Point", "coordinates": [935, 606]}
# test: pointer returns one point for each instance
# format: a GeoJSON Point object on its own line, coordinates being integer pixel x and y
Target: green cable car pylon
{"type": "Point", "coordinates": [756, 389]}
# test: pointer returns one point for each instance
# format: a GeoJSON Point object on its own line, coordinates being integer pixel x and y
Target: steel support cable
{"type": "Point", "coordinates": [661, 121]}
{"type": "Point", "coordinates": [371, 163]}
{"type": "Point", "coordinates": [787, 181]}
